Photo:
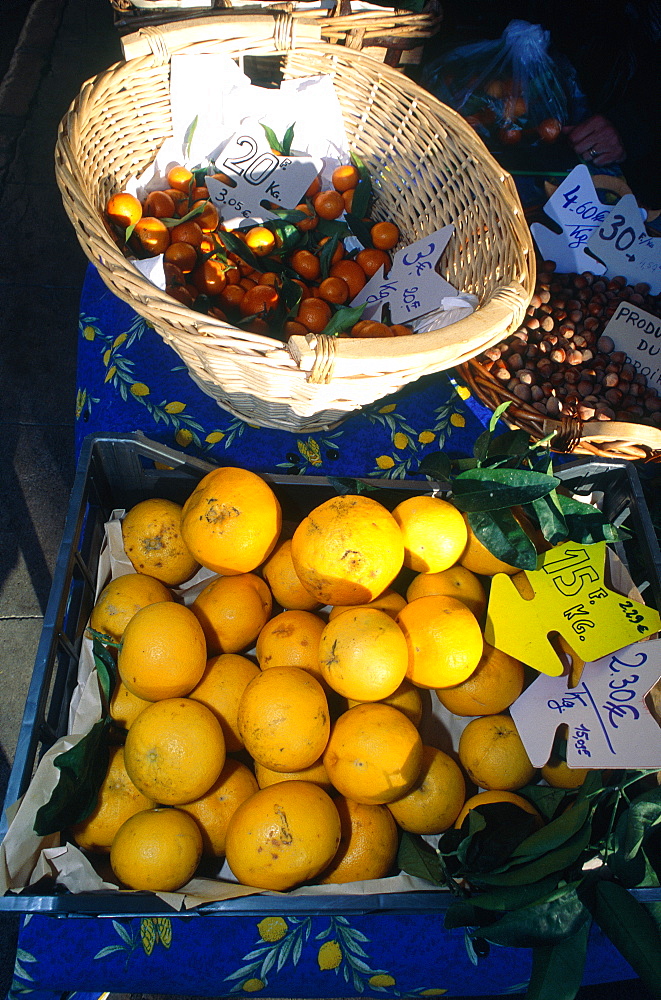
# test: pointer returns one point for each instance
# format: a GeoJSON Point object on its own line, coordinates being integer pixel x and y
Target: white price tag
{"type": "Point", "coordinates": [638, 334]}
{"type": "Point", "coordinates": [413, 287]}
{"type": "Point", "coordinates": [609, 723]}
{"type": "Point", "coordinates": [577, 209]}
{"type": "Point", "coordinates": [625, 247]}
{"type": "Point", "coordinates": [260, 177]}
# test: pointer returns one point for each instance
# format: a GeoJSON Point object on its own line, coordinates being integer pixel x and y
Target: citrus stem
{"type": "Point", "coordinates": [105, 639]}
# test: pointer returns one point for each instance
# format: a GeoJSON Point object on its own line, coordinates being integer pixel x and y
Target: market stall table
{"type": "Point", "coordinates": [372, 945]}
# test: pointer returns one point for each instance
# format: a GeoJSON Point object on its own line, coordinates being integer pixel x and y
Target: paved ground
{"type": "Point", "coordinates": [63, 42]}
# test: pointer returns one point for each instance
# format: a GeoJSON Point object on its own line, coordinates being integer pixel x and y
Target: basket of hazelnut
{"type": "Point", "coordinates": [562, 375]}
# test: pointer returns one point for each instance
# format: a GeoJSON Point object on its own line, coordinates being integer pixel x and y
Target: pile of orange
{"type": "Point", "coordinates": [280, 278]}
{"type": "Point", "coordinates": [325, 707]}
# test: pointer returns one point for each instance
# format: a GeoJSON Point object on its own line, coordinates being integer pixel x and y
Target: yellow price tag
{"type": "Point", "coordinates": [570, 598]}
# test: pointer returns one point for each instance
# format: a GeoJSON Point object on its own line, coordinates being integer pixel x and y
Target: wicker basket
{"type": "Point", "coordinates": [395, 37]}
{"type": "Point", "coordinates": [603, 438]}
{"type": "Point", "coordinates": [428, 169]}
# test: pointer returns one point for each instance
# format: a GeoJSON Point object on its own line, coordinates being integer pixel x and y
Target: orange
{"type": "Point", "coordinates": [283, 835]}
{"type": "Point", "coordinates": [118, 798]}
{"type": "Point", "coordinates": [157, 850]}
{"type": "Point", "coordinates": [493, 755]}
{"type": "Point", "coordinates": [370, 328]}
{"type": "Point", "coordinates": [345, 178]}
{"type": "Point", "coordinates": [231, 521]}
{"type": "Point", "coordinates": [352, 273]}
{"type": "Point", "coordinates": [283, 719]}
{"type": "Point", "coordinates": [291, 639]}
{"type": "Point", "coordinates": [406, 699]}
{"type": "Point", "coordinates": [368, 843]}
{"type": "Point", "coordinates": [181, 294]}
{"type": "Point", "coordinates": [180, 178]}
{"type": "Point", "coordinates": [125, 707]}
{"type": "Point", "coordinates": [457, 581]}
{"type": "Point", "coordinates": [159, 205]}
{"type": "Point", "coordinates": [384, 235]}
{"type": "Point", "coordinates": [124, 209]}
{"type": "Point", "coordinates": [485, 798]}
{"type": "Point", "coordinates": [374, 754]}
{"type": "Point", "coordinates": [163, 652]}
{"type": "Point", "coordinates": [444, 639]}
{"type": "Point", "coordinates": [372, 260]}
{"type": "Point", "coordinates": [305, 264]}
{"type": "Point", "coordinates": [232, 295]}
{"type": "Point", "coordinates": [153, 542]}
{"type": "Point", "coordinates": [314, 188]}
{"type": "Point", "coordinates": [187, 232]}
{"type": "Point", "coordinates": [338, 252]}
{"type": "Point", "coordinates": [347, 550]}
{"type": "Point", "coordinates": [363, 654]}
{"type": "Point", "coordinates": [208, 219]}
{"type": "Point", "coordinates": [477, 558]}
{"type": "Point", "coordinates": [316, 773]}
{"type": "Point", "coordinates": [213, 811]}
{"type": "Point", "coordinates": [175, 751]}
{"type": "Point", "coordinates": [179, 200]}
{"type": "Point", "coordinates": [399, 330]}
{"type": "Point", "coordinates": [493, 686]}
{"type": "Point", "coordinates": [434, 533]}
{"type": "Point", "coordinates": [122, 598]}
{"type": "Point", "coordinates": [334, 290]}
{"type": "Point", "coordinates": [328, 204]}
{"type": "Point", "coordinates": [557, 774]}
{"type": "Point", "coordinates": [152, 235]}
{"type": "Point", "coordinates": [312, 221]}
{"type": "Point", "coordinates": [389, 601]}
{"type": "Point", "coordinates": [224, 680]}
{"type": "Point", "coordinates": [279, 573]}
{"type": "Point", "coordinates": [232, 610]}
{"type": "Point", "coordinates": [347, 198]}
{"type": "Point", "coordinates": [183, 255]}
{"type": "Point", "coordinates": [260, 240]}
{"type": "Point", "coordinates": [210, 276]}
{"type": "Point", "coordinates": [259, 299]}
{"type": "Point", "coordinates": [314, 314]}
{"type": "Point", "coordinates": [437, 797]}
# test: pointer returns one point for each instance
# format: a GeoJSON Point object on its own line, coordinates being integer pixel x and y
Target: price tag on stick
{"type": "Point", "coordinates": [608, 721]}
{"type": "Point", "coordinates": [260, 177]}
{"type": "Point", "coordinates": [570, 598]}
{"type": "Point", "coordinates": [638, 334]}
{"type": "Point", "coordinates": [623, 244]}
{"type": "Point", "coordinates": [577, 209]}
{"type": "Point", "coordinates": [413, 287]}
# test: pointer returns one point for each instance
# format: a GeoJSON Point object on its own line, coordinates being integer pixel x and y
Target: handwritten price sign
{"type": "Point", "coordinates": [625, 247]}
{"type": "Point", "coordinates": [577, 210]}
{"type": "Point", "coordinates": [571, 598]}
{"type": "Point", "coordinates": [413, 286]}
{"type": "Point", "coordinates": [260, 178]}
{"type": "Point", "coordinates": [608, 720]}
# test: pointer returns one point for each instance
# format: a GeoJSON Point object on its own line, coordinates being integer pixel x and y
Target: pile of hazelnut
{"type": "Point", "coordinates": [560, 362]}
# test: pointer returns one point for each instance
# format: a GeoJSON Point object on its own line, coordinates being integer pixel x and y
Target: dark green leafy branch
{"type": "Point", "coordinates": [83, 767]}
{"type": "Point", "coordinates": [508, 490]}
{"type": "Point", "coordinates": [519, 884]}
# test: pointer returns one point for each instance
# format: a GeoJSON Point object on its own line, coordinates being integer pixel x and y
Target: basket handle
{"type": "Point", "coordinates": [609, 431]}
{"type": "Point", "coordinates": [280, 27]}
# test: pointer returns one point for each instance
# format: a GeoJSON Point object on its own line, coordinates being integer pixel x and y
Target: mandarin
{"type": "Point", "coordinates": [232, 521]}
{"type": "Point", "coordinates": [232, 611]}
{"type": "Point", "coordinates": [122, 598]}
{"type": "Point", "coordinates": [444, 639]}
{"type": "Point", "coordinates": [175, 751]}
{"type": "Point", "coordinates": [124, 209]}
{"type": "Point", "coordinates": [347, 550]}
{"type": "Point", "coordinates": [368, 843]}
{"type": "Point", "coordinates": [157, 850]}
{"type": "Point", "coordinates": [154, 544]}
{"type": "Point", "coordinates": [283, 719]}
{"type": "Point", "coordinates": [374, 754]}
{"type": "Point", "coordinates": [283, 835]}
{"type": "Point", "coordinates": [224, 680]}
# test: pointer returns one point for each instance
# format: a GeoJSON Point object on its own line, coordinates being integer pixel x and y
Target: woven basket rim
{"type": "Point", "coordinates": [571, 435]}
